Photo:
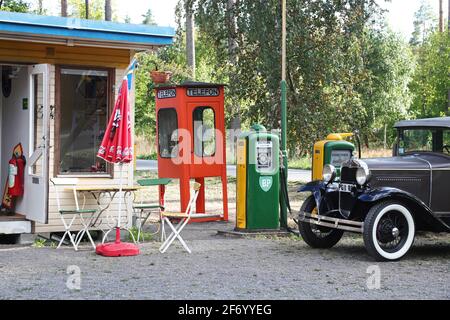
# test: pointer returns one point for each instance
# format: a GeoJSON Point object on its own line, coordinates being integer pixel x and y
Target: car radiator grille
{"type": "Point", "coordinates": [347, 199]}
{"type": "Point", "coordinates": [346, 203]}
{"type": "Point", "coordinates": [348, 175]}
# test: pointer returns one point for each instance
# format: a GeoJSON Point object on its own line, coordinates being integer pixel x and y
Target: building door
{"type": "Point", "coordinates": [36, 175]}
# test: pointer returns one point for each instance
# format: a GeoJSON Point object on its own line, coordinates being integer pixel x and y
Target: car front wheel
{"type": "Point", "coordinates": [317, 236]}
{"type": "Point", "coordinates": [389, 231]}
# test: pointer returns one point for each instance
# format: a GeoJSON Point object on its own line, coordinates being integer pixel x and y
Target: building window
{"type": "Point", "coordinates": [167, 132]}
{"type": "Point", "coordinates": [204, 132]}
{"type": "Point", "coordinates": [84, 109]}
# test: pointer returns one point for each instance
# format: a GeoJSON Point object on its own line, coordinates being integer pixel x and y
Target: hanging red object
{"type": "Point", "coordinates": [116, 147]}
{"type": "Point", "coordinates": [160, 77]}
{"type": "Point", "coordinates": [15, 183]}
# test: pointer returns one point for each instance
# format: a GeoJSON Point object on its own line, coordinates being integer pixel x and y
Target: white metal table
{"type": "Point", "coordinates": [99, 192]}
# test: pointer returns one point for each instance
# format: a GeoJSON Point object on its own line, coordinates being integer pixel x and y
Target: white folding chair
{"type": "Point", "coordinates": [74, 212]}
{"type": "Point", "coordinates": [184, 218]}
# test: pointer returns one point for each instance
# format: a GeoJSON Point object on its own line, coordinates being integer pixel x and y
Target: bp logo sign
{"type": "Point", "coordinates": [265, 183]}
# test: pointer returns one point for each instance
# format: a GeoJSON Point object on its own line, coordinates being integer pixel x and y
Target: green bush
{"type": "Point", "coordinates": [134, 233]}
{"type": "Point", "coordinates": [304, 163]}
{"type": "Point", "coordinates": [152, 156]}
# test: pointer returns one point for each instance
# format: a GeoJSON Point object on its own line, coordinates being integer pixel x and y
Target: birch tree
{"type": "Point", "coordinates": [108, 10]}
{"type": "Point", "coordinates": [87, 8]}
{"type": "Point", "coordinates": [190, 38]}
{"type": "Point", "coordinates": [63, 8]}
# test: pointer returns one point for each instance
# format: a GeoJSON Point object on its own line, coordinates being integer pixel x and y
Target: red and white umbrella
{"type": "Point", "coordinates": [116, 147]}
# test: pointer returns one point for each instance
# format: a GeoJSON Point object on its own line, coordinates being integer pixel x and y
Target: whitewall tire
{"type": "Point", "coordinates": [389, 231]}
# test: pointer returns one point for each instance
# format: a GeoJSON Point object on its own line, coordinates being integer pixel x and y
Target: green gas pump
{"type": "Point", "coordinates": [258, 180]}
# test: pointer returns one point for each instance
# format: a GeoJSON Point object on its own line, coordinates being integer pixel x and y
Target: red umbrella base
{"type": "Point", "coordinates": [117, 249]}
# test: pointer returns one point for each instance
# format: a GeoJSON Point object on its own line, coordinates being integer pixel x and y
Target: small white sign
{"type": "Point", "coordinates": [167, 93]}
{"type": "Point", "coordinates": [265, 183]}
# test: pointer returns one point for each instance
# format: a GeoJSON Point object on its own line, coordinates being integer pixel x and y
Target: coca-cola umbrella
{"type": "Point", "coordinates": [116, 147]}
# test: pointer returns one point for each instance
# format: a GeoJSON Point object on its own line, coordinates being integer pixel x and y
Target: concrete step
{"type": "Point", "coordinates": [15, 226]}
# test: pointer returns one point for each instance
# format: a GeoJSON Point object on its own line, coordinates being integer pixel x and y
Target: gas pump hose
{"type": "Point", "coordinates": [284, 196]}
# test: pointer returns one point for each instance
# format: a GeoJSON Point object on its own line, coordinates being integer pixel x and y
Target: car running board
{"type": "Point", "coordinates": [323, 221]}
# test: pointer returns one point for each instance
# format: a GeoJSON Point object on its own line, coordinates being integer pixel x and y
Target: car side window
{"type": "Point", "coordinates": [416, 140]}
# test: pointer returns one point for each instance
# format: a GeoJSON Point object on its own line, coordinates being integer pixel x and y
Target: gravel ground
{"type": "Point", "coordinates": [228, 268]}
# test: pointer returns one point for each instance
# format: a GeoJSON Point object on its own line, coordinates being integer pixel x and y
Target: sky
{"type": "Point", "coordinates": [163, 10]}
{"type": "Point", "coordinates": [400, 13]}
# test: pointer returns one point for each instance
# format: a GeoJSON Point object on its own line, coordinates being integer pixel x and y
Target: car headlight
{"type": "Point", "coordinates": [329, 173]}
{"type": "Point", "coordinates": [362, 175]}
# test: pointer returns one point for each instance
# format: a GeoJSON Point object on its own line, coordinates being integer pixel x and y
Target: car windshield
{"type": "Point", "coordinates": [424, 140]}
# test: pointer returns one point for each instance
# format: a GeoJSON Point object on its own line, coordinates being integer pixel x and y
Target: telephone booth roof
{"type": "Point", "coordinates": [191, 84]}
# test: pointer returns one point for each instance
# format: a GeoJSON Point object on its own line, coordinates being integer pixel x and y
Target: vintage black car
{"type": "Point", "coordinates": [386, 199]}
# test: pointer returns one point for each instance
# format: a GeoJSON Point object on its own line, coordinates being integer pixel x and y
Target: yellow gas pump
{"type": "Point", "coordinates": [333, 150]}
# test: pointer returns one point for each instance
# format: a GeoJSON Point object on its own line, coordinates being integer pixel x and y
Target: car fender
{"type": "Point", "coordinates": [388, 193]}
{"type": "Point", "coordinates": [312, 186]}
{"type": "Point", "coordinates": [316, 188]}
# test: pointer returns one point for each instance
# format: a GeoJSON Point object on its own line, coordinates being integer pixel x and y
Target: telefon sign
{"type": "Point", "coordinates": [203, 92]}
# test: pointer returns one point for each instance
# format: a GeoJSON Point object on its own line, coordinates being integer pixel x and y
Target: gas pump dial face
{"type": "Point", "coordinates": [340, 156]}
{"type": "Point", "coordinates": [264, 156]}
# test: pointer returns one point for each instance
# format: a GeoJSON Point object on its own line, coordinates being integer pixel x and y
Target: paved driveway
{"type": "Point", "coordinates": [294, 174]}
{"type": "Point", "coordinates": [228, 268]}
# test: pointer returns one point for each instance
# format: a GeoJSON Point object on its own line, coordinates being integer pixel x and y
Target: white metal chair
{"type": "Point", "coordinates": [74, 212]}
{"type": "Point", "coordinates": [184, 218]}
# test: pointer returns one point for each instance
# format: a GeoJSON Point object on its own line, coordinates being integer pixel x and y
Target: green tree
{"type": "Point", "coordinates": [345, 71]}
{"type": "Point", "coordinates": [145, 95]}
{"type": "Point", "coordinates": [172, 58]}
{"type": "Point", "coordinates": [340, 69]}
{"type": "Point", "coordinates": [95, 9]}
{"type": "Point", "coordinates": [40, 7]}
{"type": "Point", "coordinates": [14, 5]}
{"type": "Point", "coordinates": [148, 18]}
{"type": "Point", "coordinates": [385, 95]}
{"type": "Point", "coordinates": [432, 77]}
{"type": "Point", "coordinates": [425, 23]}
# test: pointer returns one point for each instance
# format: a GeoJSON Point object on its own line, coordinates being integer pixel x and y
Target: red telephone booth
{"type": "Point", "coordinates": [191, 138]}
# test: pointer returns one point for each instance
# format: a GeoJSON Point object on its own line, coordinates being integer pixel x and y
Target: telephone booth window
{"type": "Point", "coordinates": [204, 132]}
{"type": "Point", "coordinates": [167, 132]}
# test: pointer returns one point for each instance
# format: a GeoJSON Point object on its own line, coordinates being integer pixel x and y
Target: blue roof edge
{"type": "Point", "coordinates": [85, 25]}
